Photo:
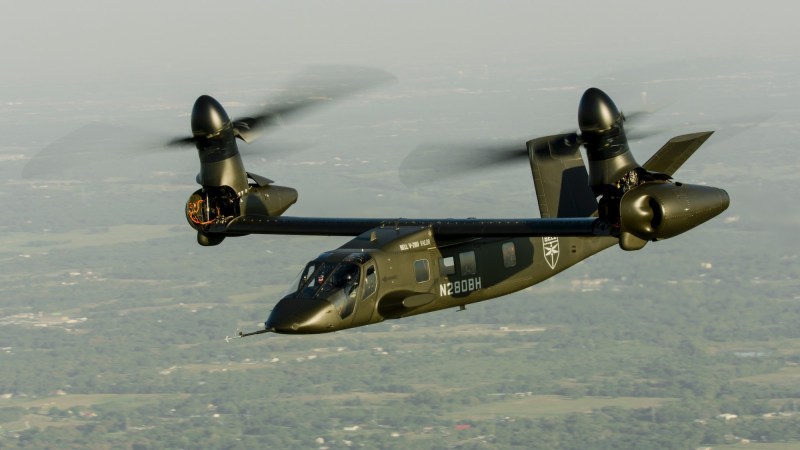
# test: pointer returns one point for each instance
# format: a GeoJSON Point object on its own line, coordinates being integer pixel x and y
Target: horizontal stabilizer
{"type": "Point", "coordinates": [669, 158]}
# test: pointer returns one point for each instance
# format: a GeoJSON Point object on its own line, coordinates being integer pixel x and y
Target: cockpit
{"type": "Point", "coordinates": [335, 281]}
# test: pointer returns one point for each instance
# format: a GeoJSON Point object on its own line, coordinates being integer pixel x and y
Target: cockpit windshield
{"type": "Point", "coordinates": [336, 282]}
{"type": "Point", "coordinates": [320, 278]}
{"type": "Point", "coordinates": [341, 277]}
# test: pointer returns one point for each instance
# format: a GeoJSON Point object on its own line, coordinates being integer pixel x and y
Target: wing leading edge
{"type": "Point", "coordinates": [442, 228]}
{"type": "Point", "coordinates": [669, 158]}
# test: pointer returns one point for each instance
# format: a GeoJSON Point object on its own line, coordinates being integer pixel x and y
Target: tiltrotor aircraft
{"type": "Point", "coordinates": [393, 268]}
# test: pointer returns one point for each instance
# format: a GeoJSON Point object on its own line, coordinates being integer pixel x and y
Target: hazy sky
{"type": "Point", "coordinates": [99, 58]}
{"type": "Point", "coordinates": [59, 43]}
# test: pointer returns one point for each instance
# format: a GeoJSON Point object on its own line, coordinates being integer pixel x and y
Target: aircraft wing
{"type": "Point", "coordinates": [442, 228]}
{"type": "Point", "coordinates": [675, 152]}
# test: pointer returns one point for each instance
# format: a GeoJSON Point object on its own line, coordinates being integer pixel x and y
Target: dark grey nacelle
{"type": "Point", "coordinates": [661, 210]}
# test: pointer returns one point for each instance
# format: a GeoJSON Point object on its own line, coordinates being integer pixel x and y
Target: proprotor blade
{"type": "Point", "coordinates": [316, 86]}
{"type": "Point", "coordinates": [438, 161]}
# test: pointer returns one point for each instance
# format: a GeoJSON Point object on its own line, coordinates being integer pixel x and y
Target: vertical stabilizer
{"type": "Point", "coordinates": [560, 177]}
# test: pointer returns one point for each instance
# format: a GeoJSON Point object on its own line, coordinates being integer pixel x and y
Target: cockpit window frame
{"type": "Point", "coordinates": [422, 267]}
{"type": "Point", "coordinates": [337, 281]}
{"type": "Point", "coordinates": [370, 289]}
{"type": "Point", "coordinates": [312, 284]}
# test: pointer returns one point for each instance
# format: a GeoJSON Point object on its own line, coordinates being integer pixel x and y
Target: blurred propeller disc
{"type": "Point", "coordinates": [443, 160]}
{"type": "Point", "coordinates": [436, 161]}
{"type": "Point", "coordinates": [308, 90]}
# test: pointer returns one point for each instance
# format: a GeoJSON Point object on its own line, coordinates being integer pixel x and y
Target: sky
{"type": "Point", "coordinates": [113, 51]}
{"type": "Point", "coordinates": [125, 43]}
{"type": "Point", "coordinates": [142, 64]}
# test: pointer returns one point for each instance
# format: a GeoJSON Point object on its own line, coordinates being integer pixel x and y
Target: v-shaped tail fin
{"type": "Point", "coordinates": [560, 177]}
{"type": "Point", "coordinates": [669, 158]}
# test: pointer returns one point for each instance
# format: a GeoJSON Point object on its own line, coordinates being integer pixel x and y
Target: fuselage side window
{"type": "Point", "coordinates": [447, 266]}
{"type": "Point", "coordinates": [468, 266]}
{"type": "Point", "coordinates": [370, 282]}
{"type": "Point", "coordinates": [509, 255]}
{"type": "Point", "coordinates": [422, 270]}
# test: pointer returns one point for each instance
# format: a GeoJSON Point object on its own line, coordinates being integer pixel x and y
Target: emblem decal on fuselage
{"type": "Point", "coordinates": [551, 250]}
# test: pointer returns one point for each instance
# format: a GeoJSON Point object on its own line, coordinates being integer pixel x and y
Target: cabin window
{"type": "Point", "coordinates": [422, 270]}
{"type": "Point", "coordinates": [370, 282]}
{"type": "Point", "coordinates": [509, 255]}
{"type": "Point", "coordinates": [447, 266]}
{"type": "Point", "coordinates": [468, 266]}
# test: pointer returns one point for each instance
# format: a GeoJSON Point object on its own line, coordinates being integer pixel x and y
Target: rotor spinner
{"type": "Point", "coordinates": [208, 117]}
{"type": "Point", "coordinates": [597, 112]}
{"type": "Point", "coordinates": [603, 134]}
{"type": "Point", "coordinates": [220, 162]}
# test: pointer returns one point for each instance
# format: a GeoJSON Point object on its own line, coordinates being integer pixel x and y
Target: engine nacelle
{"type": "Point", "coordinates": [661, 210]}
{"type": "Point", "coordinates": [212, 205]}
{"type": "Point", "coordinates": [228, 190]}
{"type": "Point", "coordinates": [271, 200]}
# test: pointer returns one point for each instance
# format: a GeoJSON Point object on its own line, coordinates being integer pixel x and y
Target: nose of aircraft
{"type": "Point", "coordinates": [302, 316]}
{"type": "Point", "coordinates": [208, 116]}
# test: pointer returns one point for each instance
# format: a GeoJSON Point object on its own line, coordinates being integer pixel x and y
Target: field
{"type": "Point", "coordinates": [113, 319]}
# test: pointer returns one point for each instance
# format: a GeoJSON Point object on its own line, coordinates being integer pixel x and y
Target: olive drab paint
{"type": "Point", "coordinates": [394, 268]}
